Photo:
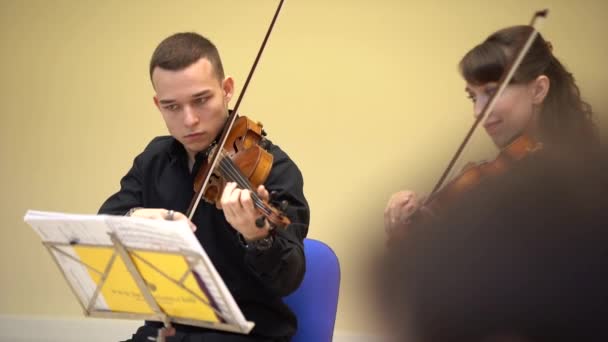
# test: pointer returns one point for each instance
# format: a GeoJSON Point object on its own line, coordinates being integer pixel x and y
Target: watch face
{"type": "Point", "coordinates": [264, 243]}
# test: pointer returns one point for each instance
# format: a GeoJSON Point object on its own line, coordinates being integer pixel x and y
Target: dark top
{"type": "Point", "coordinates": [160, 178]}
{"type": "Point", "coordinates": [522, 255]}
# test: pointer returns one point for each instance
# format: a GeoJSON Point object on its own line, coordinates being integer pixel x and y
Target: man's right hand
{"type": "Point", "coordinates": [161, 214]}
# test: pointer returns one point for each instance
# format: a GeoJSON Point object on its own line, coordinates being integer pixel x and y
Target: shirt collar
{"type": "Point", "coordinates": [177, 152]}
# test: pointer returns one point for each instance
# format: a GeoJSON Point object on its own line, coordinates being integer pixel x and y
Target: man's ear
{"type": "Point", "coordinates": [540, 88]}
{"type": "Point", "coordinates": [156, 103]}
{"type": "Point", "coordinates": [228, 88]}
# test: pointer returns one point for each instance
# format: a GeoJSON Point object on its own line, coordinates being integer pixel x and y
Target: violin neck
{"type": "Point", "coordinates": [232, 173]}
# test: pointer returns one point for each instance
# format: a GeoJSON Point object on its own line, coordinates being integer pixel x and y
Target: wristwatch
{"type": "Point", "coordinates": [261, 244]}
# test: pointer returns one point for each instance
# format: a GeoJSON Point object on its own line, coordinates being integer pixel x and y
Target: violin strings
{"type": "Point", "coordinates": [236, 176]}
{"type": "Point", "coordinates": [234, 173]}
{"type": "Point", "coordinates": [231, 170]}
{"type": "Point", "coordinates": [228, 167]}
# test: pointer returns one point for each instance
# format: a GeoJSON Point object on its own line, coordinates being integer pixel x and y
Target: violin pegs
{"type": "Point", "coordinates": [273, 195]}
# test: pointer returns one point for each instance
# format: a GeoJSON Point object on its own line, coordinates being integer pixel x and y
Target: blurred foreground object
{"type": "Point", "coordinates": [523, 257]}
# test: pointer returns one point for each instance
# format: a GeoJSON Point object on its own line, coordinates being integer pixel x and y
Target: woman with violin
{"type": "Point", "coordinates": [540, 108]}
{"type": "Point", "coordinates": [513, 250]}
{"type": "Point", "coordinates": [256, 248]}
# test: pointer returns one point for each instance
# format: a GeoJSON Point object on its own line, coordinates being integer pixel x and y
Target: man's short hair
{"type": "Point", "coordinates": [181, 50]}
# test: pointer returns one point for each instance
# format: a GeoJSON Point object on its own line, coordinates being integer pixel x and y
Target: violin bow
{"type": "Point", "coordinates": [215, 157]}
{"type": "Point", "coordinates": [503, 82]}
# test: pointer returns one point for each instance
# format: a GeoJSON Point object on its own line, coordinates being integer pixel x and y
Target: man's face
{"type": "Point", "coordinates": [193, 102]}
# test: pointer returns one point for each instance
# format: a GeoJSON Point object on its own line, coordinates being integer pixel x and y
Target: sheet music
{"type": "Point", "coordinates": [58, 228]}
{"type": "Point", "coordinates": [177, 236]}
{"type": "Point", "coordinates": [83, 285]}
{"type": "Point", "coordinates": [134, 233]}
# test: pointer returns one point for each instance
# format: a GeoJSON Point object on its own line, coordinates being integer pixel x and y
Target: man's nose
{"type": "Point", "coordinates": [190, 116]}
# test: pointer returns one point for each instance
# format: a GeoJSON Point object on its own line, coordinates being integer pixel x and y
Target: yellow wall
{"type": "Point", "coordinates": [364, 96]}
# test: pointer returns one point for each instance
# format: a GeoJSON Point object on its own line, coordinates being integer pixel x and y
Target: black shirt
{"type": "Point", "coordinates": [160, 178]}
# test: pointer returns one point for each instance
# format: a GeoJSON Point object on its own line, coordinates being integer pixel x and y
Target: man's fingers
{"type": "Point", "coordinates": [163, 214]}
{"type": "Point", "coordinates": [228, 200]}
{"type": "Point", "coordinates": [177, 216]}
{"type": "Point", "coordinates": [263, 193]}
{"type": "Point", "coordinates": [247, 202]}
{"type": "Point", "coordinates": [228, 190]}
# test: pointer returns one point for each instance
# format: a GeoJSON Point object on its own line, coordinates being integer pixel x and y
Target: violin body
{"type": "Point", "coordinates": [244, 147]}
{"type": "Point", "coordinates": [473, 174]}
{"type": "Point", "coordinates": [243, 160]}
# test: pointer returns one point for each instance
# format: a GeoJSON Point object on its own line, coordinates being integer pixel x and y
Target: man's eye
{"type": "Point", "coordinates": [200, 100]}
{"type": "Point", "coordinates": [172, 107]}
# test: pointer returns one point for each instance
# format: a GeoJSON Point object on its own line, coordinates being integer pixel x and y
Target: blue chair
{"type": "Point", "coordinates": [315, 302]}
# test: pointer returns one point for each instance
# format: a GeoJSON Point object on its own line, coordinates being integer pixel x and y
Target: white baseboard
{"type": "Point", "coordinates": [15, 328]}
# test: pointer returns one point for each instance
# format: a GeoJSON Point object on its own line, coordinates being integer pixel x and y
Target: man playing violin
{"type": "Point", "coordinates": [258, 265]}
{"type": "Point", "coordinates": [542, 102]}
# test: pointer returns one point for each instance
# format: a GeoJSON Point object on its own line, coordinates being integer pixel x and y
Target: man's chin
{"type": "Point", "coordinates": [196, 147]}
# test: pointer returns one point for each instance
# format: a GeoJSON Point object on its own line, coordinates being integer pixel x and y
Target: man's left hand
{"type": "Point", "coordinates": [241, 212]}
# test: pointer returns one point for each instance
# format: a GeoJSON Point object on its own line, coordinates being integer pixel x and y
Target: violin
{"type": "Point", "coordinates": [473, 174]}
{"type": "Point", "coordinates": [245, 161]}
{"type": "Point", "coordinates": [240, 156]}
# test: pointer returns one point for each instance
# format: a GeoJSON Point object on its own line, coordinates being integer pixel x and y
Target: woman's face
{"type": "Point", "coordinates": [515, 112]}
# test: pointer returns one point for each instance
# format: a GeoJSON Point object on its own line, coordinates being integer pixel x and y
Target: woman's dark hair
{"type": "Point", "coordinates": [565, 119]}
